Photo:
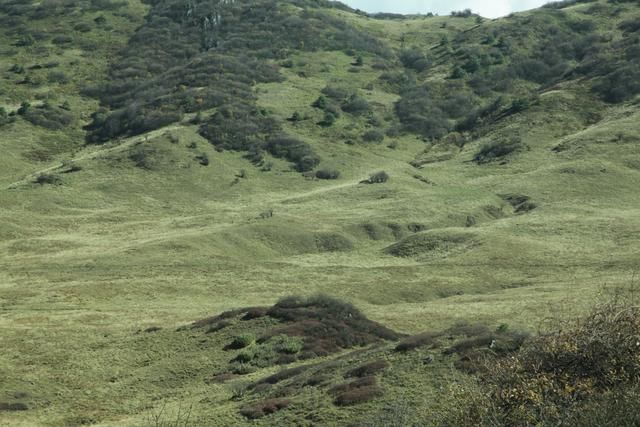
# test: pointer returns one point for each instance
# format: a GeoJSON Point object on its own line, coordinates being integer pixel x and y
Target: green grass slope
{"type": "Point", "coordinates": [134, 196]}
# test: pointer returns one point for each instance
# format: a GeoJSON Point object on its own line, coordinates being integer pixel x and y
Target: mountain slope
{"type": "Point", "coordinates": [177, 181]}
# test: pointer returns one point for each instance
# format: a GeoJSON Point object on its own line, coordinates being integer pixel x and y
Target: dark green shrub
{"type": "Point", "coordinates": [203, 159]}
{"type": "Point", "coordinates": [466, 13]}
{"type": "Point", "coordinates": [498, 149]}
{"type": "Point", "coordinates": [377, 178]}
{"type": "Point", "coordinates": [327, 174]}
{"type": "Point", "coordinates": [373, 136]}
{"type": "Point", "coordinates": [328, 120]}
{"type": "Point", "coordinates": [295, 151]}
{"type": "Point", "coordinates": [419, 112]}
{"type": "Point", "coordinates": [368, 369]}
{"type": "Point", "coordinates": [57, 77]}
{"type": "Point", "coordinates": [263, 408]}
{"type": "Point", "coordinates": [630, 25]}
{"type": "Point", "coordinates": [414, 59]}
{"type": "Point", "coordinates": [25, 106]}
{"type": "Point", "coordinates": [620, 85]}
{"type": "Point", "coordinates": [242, 341]}
{"type": "Point", "coordinates": [82, 27]}
{"type": "Point", "coordinates": [521, 203]}
{"type": "Point", "coordinates": [46, 116]}
{"type": "Point", "coordinates": [61, 39]}
{"type": "Point", "coordinates": [10, 407]}
{"type": "Point", "coordinates": [48, 179]}
{"type": "Point", "coordinates": [356, 105]}
{"type": "Point", "coordinates": [520, 104]}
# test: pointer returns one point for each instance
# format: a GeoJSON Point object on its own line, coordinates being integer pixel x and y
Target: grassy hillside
{"type": "Point", "coordinates": [158, 169]}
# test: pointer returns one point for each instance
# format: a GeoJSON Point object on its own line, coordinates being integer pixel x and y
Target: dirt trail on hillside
{"type": "Point", "coordinates": [104, 150]}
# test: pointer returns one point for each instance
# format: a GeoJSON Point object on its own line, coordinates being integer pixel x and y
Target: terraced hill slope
{"type": "Point", "coordinates": [165, 161]}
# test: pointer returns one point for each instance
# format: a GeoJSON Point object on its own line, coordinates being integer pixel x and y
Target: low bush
{"type": "Point", "coordinates": [11, 407]}
{"type": "Point", "coordinates": [327, 174]}
{"type": "Point", "coordinates": [255, 312]}
{"type": "Point", "coordinates": [368, 369]}
{"type": "Point", "coordinates": [218, 326]}
{"type": "Point", "coordinates": [585, 373]}
{"type": "Point", "coordinates": [48, 179]}
{"type": "Point", "coordinates": [466, 13]}
{"type": "Point", "coordinates": [414, 59]}
{"type": "Point", "coordinates": [226, 316]}
{"type": "Point", "coordinates": [359, 395]}
{"type": "Point", "coordinates": [356, 105]}
{"type": "Point", "coordinates": [47, 116]}
{"type": "Point", "coordinates": [498, 149]}
{"type": "Point", "coordinates": [373, 136]}
{"type": "Point", "coordinates": [263, 408]}
{"type": "Point", "coordinates": [203, 159]}
{"type": "Point", "coordinates": [82, 27]}
{"type": "Point", "coordinates": [285, 344]}
{"type": "Point", "coordinates": [630, 25]}
{"type": "Point", "coordinates": [425, 339]}
{"type": "Point", "coordinates": [57, 77]}
{"type": "Point", "coordinates": [377, 178]}
{"type": "Point", "coordinates": [354, 385]}
{"type": "Point", "coordinates": [619, 85]}
{"type": "Point", "coordinates": [521, 203]}
{"type": "Point", "coordinates": [242, 341]}
{"type": "Point", "coordinates": [285, 374]}
{"type": "Point", "coordinates": [298, 152]}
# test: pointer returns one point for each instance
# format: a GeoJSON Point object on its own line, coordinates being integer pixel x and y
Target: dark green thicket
{"type": "Point", "coordinates": [194, 56]}
{"type": "Point", "coordinates": [495, 60]}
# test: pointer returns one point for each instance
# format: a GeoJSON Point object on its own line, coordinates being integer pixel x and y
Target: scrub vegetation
{"type": "Point", "coordinates": [232, 212]}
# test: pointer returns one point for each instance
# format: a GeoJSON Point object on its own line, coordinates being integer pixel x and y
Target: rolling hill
{"type": "Point", "coordinates": [164, 161]}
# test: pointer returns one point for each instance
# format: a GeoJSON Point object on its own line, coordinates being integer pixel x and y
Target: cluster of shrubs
{"type": "Point", "coordinates": [326, 324]}
{"type": "Point", "coordinates": [466, 13]}
{"type": "Point", "coordinates": [327, 174]}
{"type": "Point", "coordinates": [47, 115]}
{"type": "Point", "coordinates": [357, 391]}
{"type": "Point", "coordinates": [376, 178]}
{"type": "Point", "coordinates": [499, 149]}
{"type": "Point", "coordinates": [263, 408]}
{"type": "Point", "coordinates": [431, 111]}
{"type": "Point", "coordinates": [195, 57]}
{"type": "Point", "coordinates": [297, 152]}
{"type": "Point", "coordinates": [585, 373]}
{"type": "Point", "coordinates": [414, 59]}
{"type": "Point", "coordinates": [495, 65]}
{"type": "Point", "coordinates": [334, 101]}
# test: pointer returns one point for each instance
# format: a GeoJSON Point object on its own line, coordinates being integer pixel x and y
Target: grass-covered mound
{"type": "Point", "coordinates": [294, 329]}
